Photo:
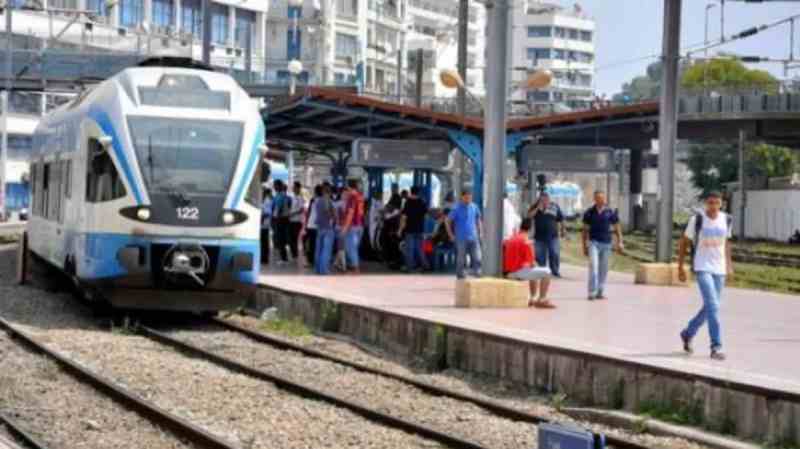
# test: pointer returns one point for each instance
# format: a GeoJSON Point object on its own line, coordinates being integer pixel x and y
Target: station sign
{"type": "Point", "coordinates": [566, 158]}
{"type": "Point", "coordinates": [409, 154]}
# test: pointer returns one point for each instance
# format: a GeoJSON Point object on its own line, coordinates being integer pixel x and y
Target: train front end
{"type": "Point", "coordinates": [188, 145]}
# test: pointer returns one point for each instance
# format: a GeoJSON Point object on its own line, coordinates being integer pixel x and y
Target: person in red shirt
{"type": "Point", "coordinates": [353, 224]}
{"type": "Point", "coordinates": [518, 264]}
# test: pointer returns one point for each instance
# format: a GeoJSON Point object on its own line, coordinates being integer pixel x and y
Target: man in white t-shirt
{"type": "Point", "coordinates": [708, 233]}
{"type": "Point", "coordinates": [296, 217]}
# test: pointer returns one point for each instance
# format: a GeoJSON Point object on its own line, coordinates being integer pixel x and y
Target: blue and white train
{"type": "Point", "coordinates": [146, 190]}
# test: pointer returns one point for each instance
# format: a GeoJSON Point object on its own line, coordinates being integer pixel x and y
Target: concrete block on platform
{"type": "Point", "coordinates": [490, 292]}
{"type": "Point", "coordinates": [664, 274]}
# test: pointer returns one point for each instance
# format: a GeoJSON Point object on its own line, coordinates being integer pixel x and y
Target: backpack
{"type": "Point", "coordinates": [698, 226]}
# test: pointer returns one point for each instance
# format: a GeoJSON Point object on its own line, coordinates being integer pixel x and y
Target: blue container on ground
{"type": "Point", "coordinates": [554, 436]}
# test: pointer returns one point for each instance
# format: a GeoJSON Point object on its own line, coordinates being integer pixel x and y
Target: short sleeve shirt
{"type": "Point", "coordinates": [355, 202]}
{"type": "Point", "coordinates": [465, 221]}
{"type": "Point", "coordinates": [546, 222]}
{"type": "Point", "coordinates": [517, 254]}
{"type": "Point", "coordinates": [415, 211]}
{"type": "Point", "coordinates": [600, 223]}
{"type": "Point", "coordinates": [709, 255]}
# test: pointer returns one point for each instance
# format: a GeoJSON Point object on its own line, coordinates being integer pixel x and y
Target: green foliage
{"type": "Point", "coordinates": [714, 165]}
{"type": "Point", "coordinates": [558, 401]}
{"type": "Point", "coordinates": [727, 75]}
{"type": "Point", "coordinates": [331, 316]}
{"type": "Point", "coordinates": [646, 87]}
{"type": "Point", "coordinates": [294, 328]}
{"type": "Point", "coordinates": [683, 414]}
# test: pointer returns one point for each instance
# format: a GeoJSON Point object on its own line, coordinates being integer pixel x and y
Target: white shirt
{"type": "Point", "coordinates": [710, 246]}
{"type": "Point", "coordinates": [296, 211]}
{"type": "Point", "coordinates": [266, 212]}
{"type": "Point", "coordinates": [511, 220]}
{"type": "Point", "coordinates": [312, 215]}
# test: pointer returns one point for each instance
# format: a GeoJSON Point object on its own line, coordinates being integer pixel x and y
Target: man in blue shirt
{"type": "Point", "coordinates": [597, 224]}
{"type": "Point", "coordinates": [465, 218]}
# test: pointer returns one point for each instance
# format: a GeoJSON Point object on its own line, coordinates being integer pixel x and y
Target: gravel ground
{"type": "Point", "coordinates": [389, 396]}
{"type": "Point", "coordinates": [62, 412]}
{"type": "Point", "coordinates": [503, 392]}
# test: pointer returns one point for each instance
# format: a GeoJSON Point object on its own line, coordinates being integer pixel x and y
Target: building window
{"type": "Point", "coordinates": [540, 31]}
{"type": "Point", "coordinates": [538, 96]}
{"type": "Point", "coordinates": [346, 45]}
{"type": "Point", "coordinates": [162, 13]}
{"type": "Point", "coordinates": [347, 8]}
{"type": "Point", "coordinates": [131, 12]}
{"type": "Point", "coordinates": [586, 36]}
{"type": "Point", "coordinates": [219, 24]}
{"type": "Point", "coordinates": [245, 24]}
{"type": "Point", "coordinates": [573, 34]}
{"type": "Point", "coordinates": [55, 4]}
{"type": "Point", "coordinates": [97, 6]}
{"type": "Point", "coordinates": [534, 54]}
{"type": "Point", "coordinates": [294, 39]}
{"type": "Point", "coordinates": [561, 32]}
{"type": "Point", "coordinates": [559, 54]}
{"type": "Point", "coordinates": [192, 17]}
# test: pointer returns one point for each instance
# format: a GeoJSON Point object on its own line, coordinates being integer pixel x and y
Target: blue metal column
{"type": "Point", "coordinates": [427, 186]}
{"type": "Point", "coordinates": [339, 170]}
{"type": "Point", "coordinates": [375, 180]}
{"type": "Point", "coordinates": [471, 146]}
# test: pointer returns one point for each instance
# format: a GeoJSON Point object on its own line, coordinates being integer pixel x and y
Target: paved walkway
{"type": "Point", "coordinates": [761, 331]}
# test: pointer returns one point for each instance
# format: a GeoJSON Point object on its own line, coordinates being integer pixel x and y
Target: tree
{"type": "Point", "coordinates": [647, 87]}
{"type": "Point", "coordinates": [726, 76]}
{"type": "Point", "coordinates": [714, 165]}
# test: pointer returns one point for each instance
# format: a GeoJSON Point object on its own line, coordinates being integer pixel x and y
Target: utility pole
{"type": "Point", "coordinates": [668, 129]}
{"type": "Point", "coordinates": [420, 64]}
{"type": "Point", "coordinates": [207, 32]}
{"type": "Point", "coordinates": [494, 144]}
{"type": "Point", "coordinates": [4, 104]}
{"type": "Point", "coordinates": [463, 34]}
{"type": "Point", "coordinates": [742, 190]}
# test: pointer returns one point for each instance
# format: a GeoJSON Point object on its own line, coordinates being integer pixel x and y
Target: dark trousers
{"type": "Point", "coordinates": [294, 237]}
{"type": "Point", "coordinates": [548, 252]}
{"type": "Point", "coordinates": [265, 246]}
{"type": "Point", "coordinates": [281, 237]}
{"type": "Point", "coordinates": [310, 245]}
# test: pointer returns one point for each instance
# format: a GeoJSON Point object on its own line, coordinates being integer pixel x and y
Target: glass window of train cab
{"type": "Point", "coordinates": [103, 182]}
{"type": "Point", "coordinates": [68, 179]}
{"type": "Point", "coordinates": [44, 195]}
{"type": "Point", "coordinates": [54, 191]}
{"type": "Point", "coordinates": [254, 192]}
{"type": "Point", "coordinates": [34, 187]}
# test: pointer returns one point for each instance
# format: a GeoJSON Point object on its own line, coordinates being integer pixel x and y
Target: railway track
{"type": "Point", "coordinates": [179, 426]}
{"type": "Point", "coordinates": [18, 432]}
{"type": "Point", "coordinates": [391, 419]}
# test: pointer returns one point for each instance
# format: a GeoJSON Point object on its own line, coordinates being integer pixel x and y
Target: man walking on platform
{"type": "Point", "coordinates": [597, 225]}
{"type": "Point", "coordinates": [708, 233]}
{"type": "Point", "coordinates": [353, 225]}
{"type": "Point", "coordinates": [548, 229]}
{"type": "Point", "coordinates": [518, 264]}
{"type": "Point", "coordinates": [466, 219]}
{"type": "Point", "coordinates": [413, 223]}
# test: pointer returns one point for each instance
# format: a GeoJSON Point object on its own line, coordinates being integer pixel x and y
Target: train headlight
{"type": "Point", "coordinates": [228, 217]}
{"type": "Point", "coordinates": [143, 213]}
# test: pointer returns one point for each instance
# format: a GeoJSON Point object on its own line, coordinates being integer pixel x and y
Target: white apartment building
{"type": "Point", "coordinates": [433, 26]}
{"type": "Point", "coordinates": [342, 42]}
{"type": "Point", "coordinates": [562, 40]}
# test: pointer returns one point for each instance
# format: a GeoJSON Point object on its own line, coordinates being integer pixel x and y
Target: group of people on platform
{"type": "Point", "coordinates": [407, 235]}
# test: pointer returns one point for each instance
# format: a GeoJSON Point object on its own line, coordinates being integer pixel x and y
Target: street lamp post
{"type": "Point", "coordinates": [709, 7]}
{"type": "Point", "coordinates": [295, 69]}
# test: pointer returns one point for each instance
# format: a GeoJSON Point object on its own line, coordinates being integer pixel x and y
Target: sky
{"type": "Point", "coordinates": [629, 29]}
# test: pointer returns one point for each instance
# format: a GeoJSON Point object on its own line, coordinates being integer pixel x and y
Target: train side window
{"type": "Point", "coordinates": [34, 187]}
{"type": "Point", "coordinates": [254, 193]}
{"type": "Point", "coordinates": [45, 193]}
{"type": "Point", "coordinates": [68, 179]}
{"type": "Point", "coordinates": [103, 182]}
{"type": "Point", "coordinates": [54, 191]}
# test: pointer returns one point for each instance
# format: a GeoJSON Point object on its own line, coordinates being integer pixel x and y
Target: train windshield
{"type": "Point", "coordinates": [186, 156]}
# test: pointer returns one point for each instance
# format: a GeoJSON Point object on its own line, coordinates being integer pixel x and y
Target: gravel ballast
{"type": "Point", "coordinates": [64, 413]}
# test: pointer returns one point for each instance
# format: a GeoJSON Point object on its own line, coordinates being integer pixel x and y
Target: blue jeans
{"type": "Point", "coordinates": [324, 250]}
{"type": "Point", "coordinates": [710, 286]}
{"type": "Point", "coordinates": [473, 248]}
{"type": "Point", "coordinates": [549, 251]}
{"type": "Point", "coordinates": [599, 253]}
{"type": "Point", "coordinates": [415, 257]}
{"type": "Point", "coordinates": [352, 242]}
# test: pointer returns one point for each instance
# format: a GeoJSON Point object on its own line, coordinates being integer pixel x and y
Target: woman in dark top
{"type": "Point", "coordinates": [389, 240]}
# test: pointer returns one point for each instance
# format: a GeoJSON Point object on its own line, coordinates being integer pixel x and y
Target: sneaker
{"type": "Point", "coordinates": [717, 354]}
{"type": "Point", "coordinates": [687, 344]}
{"type": "Point", "coordinates": [591, 297]}
{"type": "Point", "coordinates": [600, 296]}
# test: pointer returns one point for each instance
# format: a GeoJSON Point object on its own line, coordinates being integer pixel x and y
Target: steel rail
{"type": "Point", "coordinates": [148, 410]}
{"type": "Point", "coordinates": [17, 431]}
{"type": "Point", "coordinates": [311, 392]}
{"type": "Point", "coordinates": [495, 407]}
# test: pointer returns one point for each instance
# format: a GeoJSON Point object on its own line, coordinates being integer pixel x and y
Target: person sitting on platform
{"type": "Point", "coordinates": [519, 264]}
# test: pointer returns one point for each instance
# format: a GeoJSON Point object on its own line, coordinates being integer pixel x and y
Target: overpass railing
{"type": "Point", "coordinates": [733, 104]}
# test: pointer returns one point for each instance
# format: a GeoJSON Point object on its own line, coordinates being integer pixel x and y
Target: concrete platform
{"type": "Point", "coordinates": [617, 353]}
